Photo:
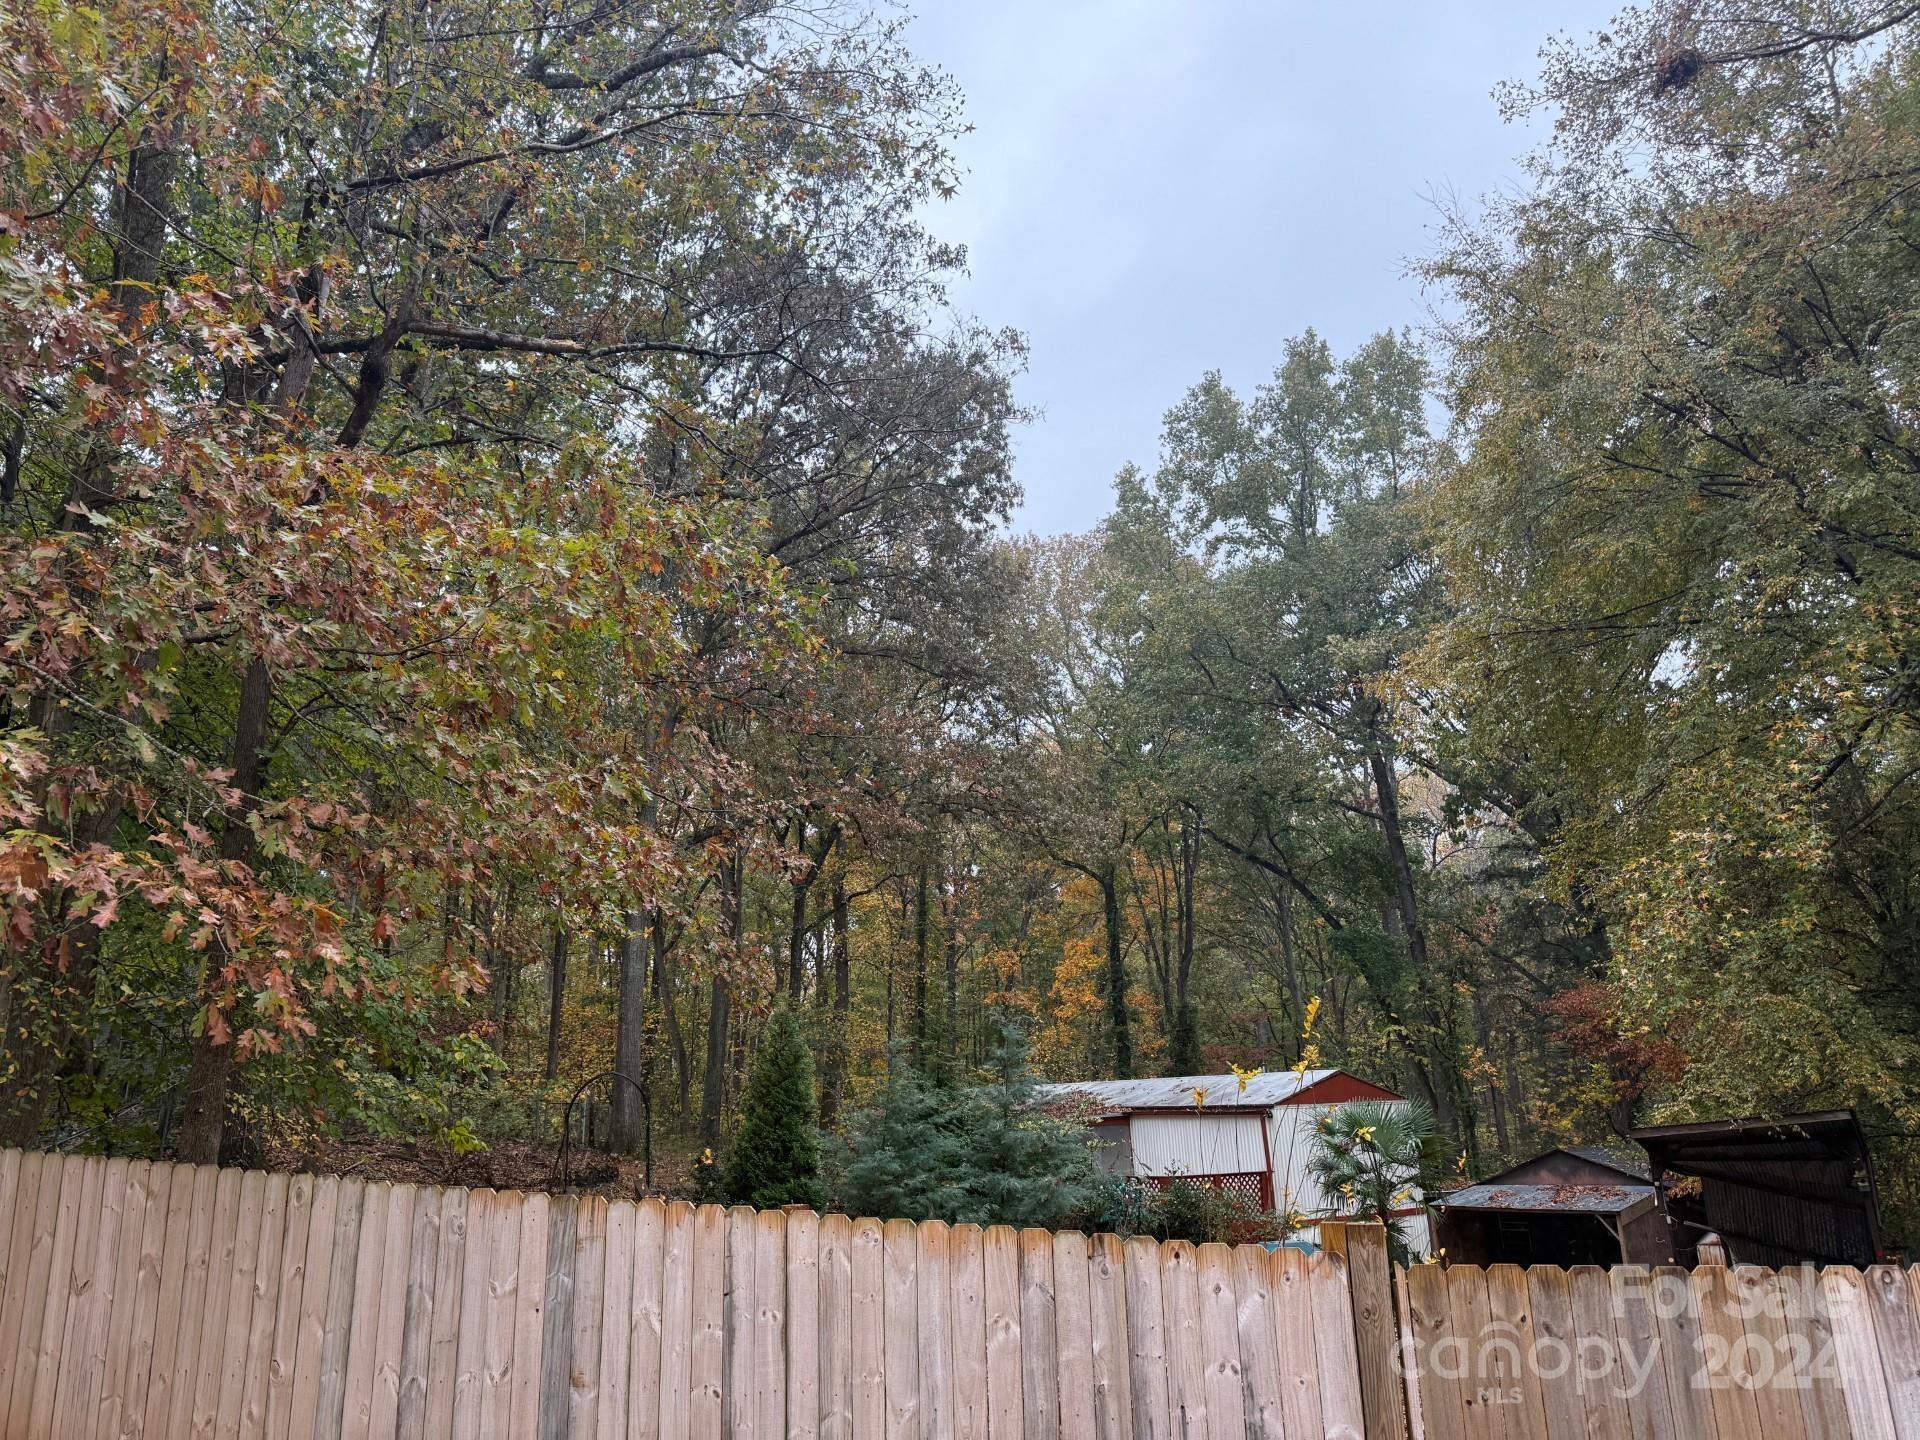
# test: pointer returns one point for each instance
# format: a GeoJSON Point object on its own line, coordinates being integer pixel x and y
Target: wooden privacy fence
{"type": "Point", "coordinates": [1589, 1354]}
{"type": "Point", "coordinates": [179, 1302]}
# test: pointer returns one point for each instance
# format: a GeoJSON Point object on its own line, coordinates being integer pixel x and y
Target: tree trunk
{"type": "Point", "coordinates": [833, 1068]}
{"type": "Point", "coordinates": [210, 1076]}
{"type": "Point", "coordinates": [1118, 1024]}
{"type": "Point", "coordinates": [630, 1035]}
{"type": "Point", "coordinates": [713, 1080]}
{"type": "Point", "coordinates": [556, 997]}
{"type": "Point", "coordinates": [920, 941]}
{"type": "Point", "coordinates": [1184, 1048]}
{"type": "Point", "coordinates": [669, 1013]}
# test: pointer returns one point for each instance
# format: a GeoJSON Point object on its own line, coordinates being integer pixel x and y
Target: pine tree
{"type": "Point", "coordinates": [776, 1154]}
{"type": "Point", "coordinates": [933, 1147]}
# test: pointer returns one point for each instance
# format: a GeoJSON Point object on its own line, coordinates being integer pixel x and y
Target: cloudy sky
{"type": "Point", "coordinates": [1155, 188]}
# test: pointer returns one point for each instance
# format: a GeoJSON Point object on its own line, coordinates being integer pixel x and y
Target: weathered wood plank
{"type": "Point", "coordinates": [1510, 1312]}
{"type": "Point", "coordinates": [230, 1364]}
{"type": "Point", "coordinates": [1730, 1405]}
{"type": "Point", "coordinates": [1856, 1349]}
{"type": "Point", "coordinates": [1764, 1359]}
{"type": "Point", "coordinates": [1073, 1334]}
{"type": "Point", "coordinates": [901, 1369]}
{"type": "Point", "coordinates": [449, 1306]}
{"type": "Point", "coordinates": [507, 1270]}
{"type": "Point", "coordinates": [1146, 1342]}
{"type": "Point", "coordinates": [1437, 1351]}
{"type": "Point", "coordinates": [737, 1403]}
{"type": "Point", "coordinates": [616, 1330]}
{"type": "Point", "coordinates": [556, 1323]}
{"type": "Point", "coordinates": [134, 1302]}
{"type": "Point", "coordinates": [73, 1257]}
{"type": "Point", "coordinates": [582, 1410]}
{"type": "Point", "coordinates": [966, 1280]}
{"type": "Point", "coordinates": [1107, 1305]}
{"type": "Point", "coordinates": [869, 1329]}
{"type": "Point", "coordinates": [268, 1273]}
{"type": "Point", "coordinates": [195, 1313]}
{"type": "Point", "coordinates": [1039, 1338]}
{"type": "Point", "coordinates": [1810, 1356]}
{"type": "Point", "coordinates": [418, 1302]}
{"type": "Point", "coordinates": [476, 1309]}
{"type": "Point", "coordinates": [803, 1325]}
{"type": "Point", "coordinates": [335, 1215]}
{"type": "Point", "coordinates": [1898, 1326]}
{"type": "Point", "coordinates": [1649, 1410]}
{"type": "Point", "coordinates": [529, 1316]}
{"type": "Point", "coordinates": [1180, 1319]}
{"type": "Point", "coordinates": [91, 1331]}
{"type": "Point", "coordinates": [707, 1356]}
{"type": "Point", "coordinates": [1676, 1321]}
{"type": "Point", "coordinates": [1370, 1274]}
{"type": "Point", "coordinates": [1000, 1283]}
{"type": "Point", "coordinates": [360, 1313]}
{"type": "Point", "coordinates": [1220, 1342]}
{"type": "Point", "coordinates": [390, 1329]}
{"type": "Point", "coordinates": [1259, 1356]}
{"type": "Point", "coordinates": [1338, 1366]}
{"type": "Point", "coordinates": [935, 1324]}
{"type": "Point", "coordinates": [638, 1416]}
{"type": "Point", "coordinates": [15, 1337]}
{"type": "Point", "coordinates": [836, 1328]}
{"type": "Point", "coordinates": [285, 1344]}
{"type": "Point", "coordinates": [769, 1317]}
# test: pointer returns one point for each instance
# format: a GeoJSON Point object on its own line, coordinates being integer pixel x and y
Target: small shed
{"type": "Point", "coordinates": [1792, 1190]}
{"type": "Point", "coordinates": [1255, 1140]}
{"type": "Point", "coordinates": [1578, 1205]}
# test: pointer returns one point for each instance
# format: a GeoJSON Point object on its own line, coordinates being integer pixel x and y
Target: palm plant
{"type": "Point", "coordinates": [1366, 1155]}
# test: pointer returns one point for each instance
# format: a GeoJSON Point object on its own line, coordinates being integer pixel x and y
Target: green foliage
{"type": "Point", "coordinates": [775, 1159]}
{"type": "Point", "coordinates": [977, 1152]}
{"type": "Point", "coordinates": [1367, 1155]}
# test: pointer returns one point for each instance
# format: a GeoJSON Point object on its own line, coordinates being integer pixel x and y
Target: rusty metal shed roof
{"type": "Point", "coordinates": [1557, 1199]}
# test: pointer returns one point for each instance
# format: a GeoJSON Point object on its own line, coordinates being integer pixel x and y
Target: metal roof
{"type": "Point", "coordinates": [1563, 1199]}
{"type": "Point", "coordinates": [1625, 1161]}
{"type": "Point", "coordinates": [1174, 1092]}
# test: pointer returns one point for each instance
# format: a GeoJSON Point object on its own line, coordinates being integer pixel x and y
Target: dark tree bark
{"type": "Point", "coordinates": [833, 1067]}
{"type": "Point", "coordinates": [556, 998]}
{"type": "Point", "coordinates": [204, 1115]}
{"type": "Point", "coordinates": [630, 1034]}
{"type": "Point", "coordinates": [1119, 1024]}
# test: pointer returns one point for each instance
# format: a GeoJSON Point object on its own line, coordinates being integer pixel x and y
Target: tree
{"type": "Point", "coordinates": [1366, 1157]}
{"type": "Point", "coordinates": [775, 1157]}
{"type": "Point", "coordinates": [968, 1152]}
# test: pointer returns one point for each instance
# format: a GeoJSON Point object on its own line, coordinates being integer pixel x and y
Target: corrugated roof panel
{"type": "Point", "coordinates": [1576, 1199]}
{"type": "Point", "coordinates": [1170, 1092]}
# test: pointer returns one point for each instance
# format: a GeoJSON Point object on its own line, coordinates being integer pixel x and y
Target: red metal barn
{"type": "Point", "coordinates": [1256, 1141]}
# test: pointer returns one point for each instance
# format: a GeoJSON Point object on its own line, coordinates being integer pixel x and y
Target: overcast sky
{"type": "Point", "coordinates": [1155, 188]}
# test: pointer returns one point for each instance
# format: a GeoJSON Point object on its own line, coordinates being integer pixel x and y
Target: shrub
{"type": "Point", "coordinates": [775, 1158]}
{"type": "Point", "coordinates": [936, 1148]}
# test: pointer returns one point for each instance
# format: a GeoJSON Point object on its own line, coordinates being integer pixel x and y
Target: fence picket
{"type": "Point", "coordinates": [868, 1330]}
{"type": "Point", "coordinates": [803, 1325]}
{"type": "Point", "coordinates": [934, 1325]}
{"type": "Point", "coordinates": [836, 1328]}
{"type": "Point", "coordinates": [699, 1254]}
{"type": "Point", "coordinates": [1107, 1291]}
{"type": "Point", "coordinates": [1000, 1291]}
{"type": "Point", "coordinates": [1186, 1365]}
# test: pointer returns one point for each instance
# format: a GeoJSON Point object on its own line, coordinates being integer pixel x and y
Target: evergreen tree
{"type": "Point", "coordinates": [934, 1148]}
{"type": "Point", "coordinates": [776, 1154]}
